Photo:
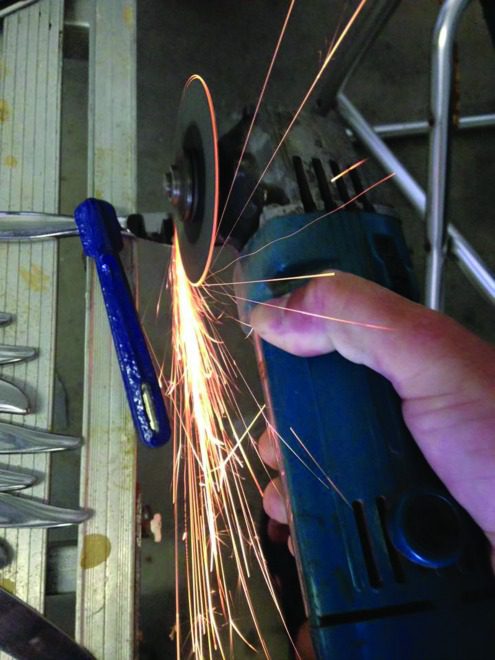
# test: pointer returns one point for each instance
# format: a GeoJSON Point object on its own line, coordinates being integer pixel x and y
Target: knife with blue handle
{"type": "Point", "coordinates": [100, 234]}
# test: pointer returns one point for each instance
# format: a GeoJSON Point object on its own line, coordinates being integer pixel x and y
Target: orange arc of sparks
{"type": "Point", "coordinates": [197, 77]}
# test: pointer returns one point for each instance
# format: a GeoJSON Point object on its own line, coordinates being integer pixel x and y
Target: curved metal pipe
{"type": "Point", "coordinates": [440, 106]}
{"type": "Point", "coordinates": [471, 263]}
{"type": "Point", "coordinates": [413, 128]}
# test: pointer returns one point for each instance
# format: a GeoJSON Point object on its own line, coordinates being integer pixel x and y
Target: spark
{"type": "Point", "coordinates": [145, 312]}
{"type": "Point", "coordinates": [362, 324]}
{"type": "Point", "coordinates": [312, 222]}
{"type": "Point", "coordinates": [292, 278]}
{"type": "Point", "coordinates": [349, 169]}
{"type": "Point", "coordinates": [211, 465]}
{"type": "Point", "coordinates": [303, 462]}
{"type": "Point", "coordinates": [333, 49]}
{"type": "Point", "coordinates": [321, 470]}
{"type": "Point", "coordinates": [258, 104]}
{"type": "Point", "coordinates": [324, 317]}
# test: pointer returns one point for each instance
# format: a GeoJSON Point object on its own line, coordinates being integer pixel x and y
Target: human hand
{"type": "Point", "coordinates": [444, 375]}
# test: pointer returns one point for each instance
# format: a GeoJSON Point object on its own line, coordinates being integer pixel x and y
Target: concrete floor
{"type": "Point", "coordinates": [230, 45]}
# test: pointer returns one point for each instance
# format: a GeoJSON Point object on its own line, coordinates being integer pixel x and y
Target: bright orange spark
{"type": "Point", "coordinates": [292, 278]}
{"type": "Point", "coordinates": [211, 464]}
{"type": "Point", "coordinates": [192, 79]}
{"type": "Point", "coordinates": [258, 104]}
{"type": "Point", "coordinates": [362, 324]}
{"type": "Point", "coordinates": [320, 469]}
{"type": "Point", "coordinates": [349, 169]}
{"type": "Point", "coordinates": [304, 227]}
{"type": "Point", "coordinates": [316, 80]}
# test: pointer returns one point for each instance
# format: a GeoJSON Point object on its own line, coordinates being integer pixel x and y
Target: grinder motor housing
{"type": "Point", "coordinates": [397, 568]}
{"type": "Point", "coordinates": [400, 569]}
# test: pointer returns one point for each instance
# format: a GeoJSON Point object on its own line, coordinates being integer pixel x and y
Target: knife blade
{"type": "Point", "coordinates": [11, 354]}
{"type": "Point", "coordinates": [27, 635]}
{"type": "Point", "coordinates": [19, 226]}
{"type": "Point", "coordinates": [12, 399]}
{"type": "Point", "coordinates": [11, 481]}
{"type": "Point", "coordinates": [16, 511]}
{"type": "Point", "coordinates": [24, 440]}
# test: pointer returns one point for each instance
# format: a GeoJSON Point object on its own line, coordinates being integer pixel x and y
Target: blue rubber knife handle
{"type": "Point", "coordinates": [101, 239]}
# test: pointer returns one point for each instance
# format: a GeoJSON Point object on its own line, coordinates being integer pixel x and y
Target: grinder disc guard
{"type": "Point", "coordinates": [193, 181]}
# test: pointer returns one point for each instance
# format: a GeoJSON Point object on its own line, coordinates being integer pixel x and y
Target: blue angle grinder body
{"type": "Point", "coordinates": [399, 570]}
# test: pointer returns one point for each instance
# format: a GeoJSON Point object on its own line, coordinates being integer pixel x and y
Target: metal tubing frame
{"type": "Point", "coordinates": [473, 266]}
{"type": "Point", "coordinates": [442, 66]}
{"type": "Point", "coordinates": [414, 128]}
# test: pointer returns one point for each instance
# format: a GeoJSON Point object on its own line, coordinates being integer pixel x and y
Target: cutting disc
{"type": "Point", "coordinates": [195, 175]}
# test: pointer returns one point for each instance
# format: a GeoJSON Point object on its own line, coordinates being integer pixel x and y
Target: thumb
{"type": "Point", "coordinates": [444, 374]}
{"type": "Point", "coordinates": [415, 348]}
